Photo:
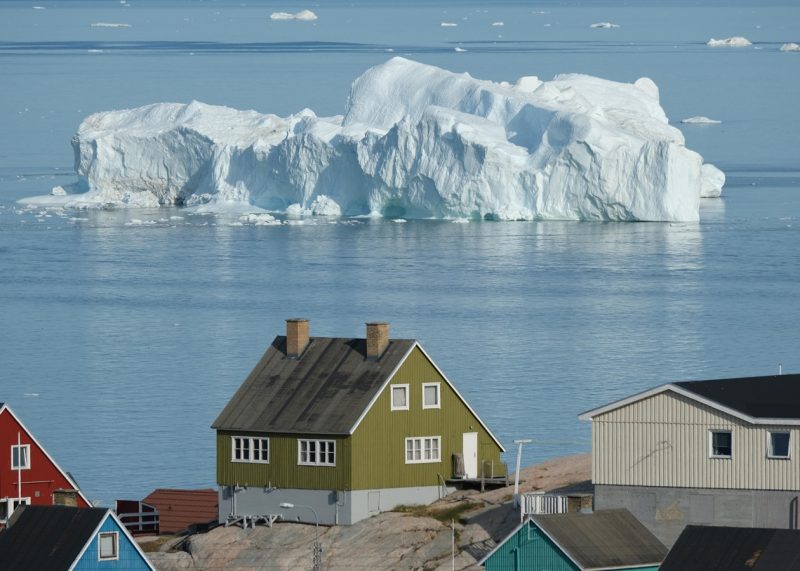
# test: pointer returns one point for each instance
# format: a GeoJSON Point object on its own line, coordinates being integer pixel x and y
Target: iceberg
{"type": "Point", "coordinates": [303, 15]}
{"type": "Point", "coordinates": [415, 141]}
{"type": "Point", "coordinates": [790, 47]}
{"type": "Point", "coordinates": [604, 25]}
{"type": "Point", "coordinates": [735, 42]}
{"type": "Point", "coordinates": [700, 120]}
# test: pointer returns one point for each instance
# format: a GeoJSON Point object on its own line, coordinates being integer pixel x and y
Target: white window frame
{"type": "Point", "coordinates": [438, 395]}
{"type": "Point", "coordinates": [711, 434]}
{"type": "Point", "coordinates": [418, 445]}
{"type": "Point", "coordinates": [391, 396]}
{"type": "Point", "coordinates": [770, 453]}
{"type": "Point", "coordinates": [100, 556]}
{"type": "Point", "coordinates": [251, 440]}
{"type": "Point", "coordinates": [316, 444]}
{"type": "Point", "coordinates": [27, 456]}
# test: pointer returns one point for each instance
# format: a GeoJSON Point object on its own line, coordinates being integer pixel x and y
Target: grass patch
{"type": "Point", "coordinates": [155, 545]}
{"type": "Point", "coordinates": [447, 514]}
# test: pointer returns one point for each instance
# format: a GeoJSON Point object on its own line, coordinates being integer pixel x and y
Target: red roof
{"type": "Point", "coordinates": [180, 509]}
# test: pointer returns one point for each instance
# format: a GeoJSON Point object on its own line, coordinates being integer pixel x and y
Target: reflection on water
{"type": "Point", "coordinates": [147, 321]}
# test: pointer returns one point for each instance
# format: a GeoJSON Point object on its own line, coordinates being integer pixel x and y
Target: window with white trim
{"type": "Point", "coordinates": [431, 396]}
{"type": "Point", "coordinates": [316, 452]}
{"type": "Point", "coordinates": [21, 457]}
{"type": "Point", "coordinates": [721, 442]}
{"type": "Point", "coordinates": [423, 449]}
{"type": "Point", "coordinates": [108, 545]}
{"type": "Point", "coordinates": [250, 449]}
{"type": "Point", "coordinates": [779, 443]}
{"type": "Point", "coordinates": [399, 397]}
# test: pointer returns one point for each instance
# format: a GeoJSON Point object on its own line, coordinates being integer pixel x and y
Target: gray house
{"type": "Point", "coordinates": [722, 452]}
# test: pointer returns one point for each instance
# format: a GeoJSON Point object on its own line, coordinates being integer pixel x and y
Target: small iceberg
{"type": "Point", "coordinates": [498, 24]}
{"type": "Point", "coordinates": [604, 25]}
{"type": "Point", "coordinates": [449, 24]}
{"type": "Point", "coordinates": [110, 25]}
{"type": "Point", "coordinates": [459, 50]}
{"type": "Point", "coordinates": [303, 15]}
{"type": "Point", "coordinates": [735, 42]}
{"type": "Point", "coordinates": [700, 120]}
{"type": "Point", "coordinates": [790, 47]}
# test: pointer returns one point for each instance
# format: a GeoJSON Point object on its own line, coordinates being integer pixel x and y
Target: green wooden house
{"type": "Point", "coordinates": [348, 427]}
{"type": "Point", "coordinates": [603, 540]}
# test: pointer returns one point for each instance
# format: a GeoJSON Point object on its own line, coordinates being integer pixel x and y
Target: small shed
{"type": "Point", "coordinates": [182, 510]}
{"type": "Point", "coordinates": [607, 539]}
{"type": "Point", "coordinates": [718, 548]}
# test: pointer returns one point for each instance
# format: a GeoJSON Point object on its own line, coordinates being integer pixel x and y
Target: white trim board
{"type": "Point", "coordinates": [6, 408]}
{"type": "Point", "coordinates": [590, 414]}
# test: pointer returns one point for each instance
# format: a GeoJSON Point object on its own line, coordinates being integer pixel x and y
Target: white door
{"type": "Point", "coordinates": [470, 451]}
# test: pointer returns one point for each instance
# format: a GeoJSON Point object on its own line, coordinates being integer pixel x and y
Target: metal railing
{"type": "Point", "coordinates": [539, 503]}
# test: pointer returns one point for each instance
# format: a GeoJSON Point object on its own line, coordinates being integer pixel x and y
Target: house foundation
{"type": "Point", "coordinates": [332, 507]}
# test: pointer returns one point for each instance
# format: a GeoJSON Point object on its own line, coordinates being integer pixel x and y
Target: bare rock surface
{"type": "Point", "coordinates": [418, 537]}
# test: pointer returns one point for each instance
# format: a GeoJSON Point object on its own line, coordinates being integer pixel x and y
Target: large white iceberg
{"type": "Point", "coordinates": [415, 141]}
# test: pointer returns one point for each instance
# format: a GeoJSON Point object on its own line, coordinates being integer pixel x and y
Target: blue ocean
{"type": "Point", "coordinates": [125, 332]}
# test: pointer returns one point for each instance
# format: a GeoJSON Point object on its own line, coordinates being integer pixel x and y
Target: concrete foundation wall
{"type": "Point", "coordinates": [666, 511]}
{"type": "Point", "coordinates": [332, 507]}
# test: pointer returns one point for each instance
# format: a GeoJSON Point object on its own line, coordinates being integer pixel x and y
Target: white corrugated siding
{"type": "Point", "coordinates": [663, 440]}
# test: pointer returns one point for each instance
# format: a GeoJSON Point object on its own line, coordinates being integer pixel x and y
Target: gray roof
{"type": "Point", "coordinates": [701, 548]}
{"type": "Point", "coordinates": [324, 391]}
{"type": "Point", "coordinates": [605, 538]}
{"type": "Point", "coordinates": [47, 537]}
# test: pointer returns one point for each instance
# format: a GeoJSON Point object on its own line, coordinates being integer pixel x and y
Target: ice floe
{"type": "Point", "coordinates": [604, 25]}
{"type": "Point", "coordinates": [415, 141]}
{"type": "Point", "coordinates": [303, 15]}
{"type": "Point", "coordinates": [735, 42]}
{"type": "Point", "coordinates": [110, 25]}
{"type": "Point", "coordinates": [700, 120]}
{"type": "Point", "coordinates": [449, 24]}
{"type": "Point", "coordinates": [790, 47]}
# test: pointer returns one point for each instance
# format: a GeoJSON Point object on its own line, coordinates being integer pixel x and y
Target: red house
{"type": "Point", "coordinates": [27, 472]}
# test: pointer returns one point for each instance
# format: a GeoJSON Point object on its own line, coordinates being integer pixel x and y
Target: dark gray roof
{"type": "Point", "coordinates": [605, 538]}
{"type": "Point", "coordinates": [712, 548]}
{"type": "Point", "coordinates": [775, 396]}
{"type": "Point", "coordinates": [324, 391]}
{"type": "Point", "coordinates": [47, 538]}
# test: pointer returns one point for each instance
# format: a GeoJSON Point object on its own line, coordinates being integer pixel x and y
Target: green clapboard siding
{"type": "Point", "coordinates": [531, 550]}
{"type": "Point", "coordinates": [282, 470]}
{"type": "Point", "coordinates": [379, 441]}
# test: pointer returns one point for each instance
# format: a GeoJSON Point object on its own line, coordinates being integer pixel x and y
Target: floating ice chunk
{"type": "Point", "coordinates": [449, 24]}
{"type": "Point", "coordinates": [94, 51]}
{"type": "Point", "coordinates": [604, 25]}
{"type": "Point", "coordinates": [459, 50]}
{"type": "Point", "coordinates": [790, 47]}
{"type": "Point", "coordinates": [415, 141]}
{"type": "Point", "coordinates": [399, 220]}
{"type": "Point", "coordinates": [498, 24]}
{"type": "Point", "coordinates": [259, 219]}
{"type": "Point", "coordinates": [325, 206]}
{"type": "Point", "coordinates": [58, 191]}
{"type": "Point", "coordinates": [700, 120]}
{"type": "Point", "coordinates": [303, 15]}
{"type": "Point", "coordinates": [712, 181]}
{"type": "Point", "coordinates": [39, 8]}
{"type": "Point", "coordinates": [110, 25]}
{"type": "Point", "coordinates": [734, 42]}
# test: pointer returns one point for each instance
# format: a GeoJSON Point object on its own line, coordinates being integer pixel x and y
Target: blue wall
{"type": "Point", "coordinates": [129, 558]}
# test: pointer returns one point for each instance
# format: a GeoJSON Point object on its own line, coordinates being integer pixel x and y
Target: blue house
{"type": "Point", "coordinates": [61, 538]}
{"type": "Point", "coordinates": [603, 540]}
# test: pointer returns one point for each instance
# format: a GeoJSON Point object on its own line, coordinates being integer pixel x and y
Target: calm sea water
{"type": "Point", "coordinates": [125, 332]}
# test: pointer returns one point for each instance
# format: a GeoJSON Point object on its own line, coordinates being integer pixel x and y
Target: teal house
{"type": "Point", "coordinates": [62, 538]}
{"type": "Point", "coordinates": [604, 540]}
